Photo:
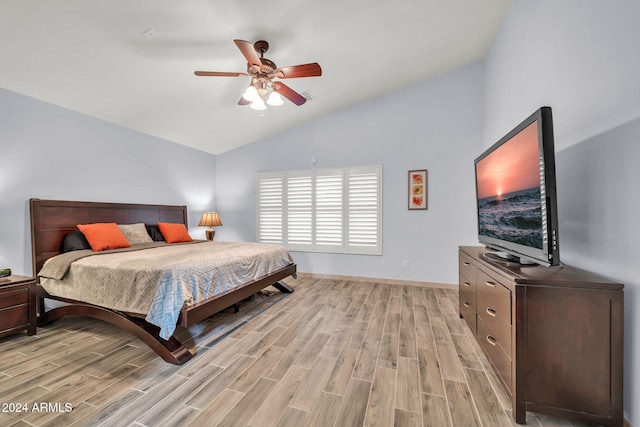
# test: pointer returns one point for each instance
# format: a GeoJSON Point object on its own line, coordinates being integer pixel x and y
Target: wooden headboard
{"type": "Point", "coordinates": [51, 220]}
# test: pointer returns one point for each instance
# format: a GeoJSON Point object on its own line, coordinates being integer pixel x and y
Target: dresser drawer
{"type": "Point", "coordinates": [467, 268]}
{"type": "Point", "coordinates": [467, 291]}
{"type": "Point", "coordinates": [493, 297]}
{"type": "Point", "coordinates": [468, 312]}
{"type": "Point", "coordinates": [17, 305]}
{"type": "Point", "coordinates": [498, 329]}
{"type": "Point", "coordinates": [13, 295]}
{"type": "Point", "coordinates": [496, 355]}
{"type": "Point", "coordinates": [14, 317]}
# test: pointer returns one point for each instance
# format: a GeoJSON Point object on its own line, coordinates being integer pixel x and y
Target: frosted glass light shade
{"type": "Point", "coordinates": [258, 104]}
{"type": "Point", "coordinates": [275, 99]}
{"type": "Point", "coordinates": [251, 94]}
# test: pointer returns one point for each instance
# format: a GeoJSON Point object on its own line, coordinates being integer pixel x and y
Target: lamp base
{"type": "Point", "coordinates": [210, 233]}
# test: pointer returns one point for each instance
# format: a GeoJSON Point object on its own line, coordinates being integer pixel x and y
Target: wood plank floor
{"type": "Point", "coordinates": [333, 353]}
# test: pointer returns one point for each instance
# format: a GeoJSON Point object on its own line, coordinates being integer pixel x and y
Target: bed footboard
{"type": "Point", "coordinates": [171, 350]}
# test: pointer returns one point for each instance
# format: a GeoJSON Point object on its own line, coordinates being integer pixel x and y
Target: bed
{"type": "Point", "coordinates": [52, 220]}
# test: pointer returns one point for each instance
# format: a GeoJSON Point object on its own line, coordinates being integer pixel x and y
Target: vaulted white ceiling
{"type": "Point", "coordinates": [97, 58]}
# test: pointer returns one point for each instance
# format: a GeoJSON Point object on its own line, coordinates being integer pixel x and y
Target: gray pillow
{"type": "Point", "coordinates": [135, 233]}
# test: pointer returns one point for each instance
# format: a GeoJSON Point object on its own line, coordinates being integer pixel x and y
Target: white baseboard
{"type": "Point", "coordinates": [302, 275]}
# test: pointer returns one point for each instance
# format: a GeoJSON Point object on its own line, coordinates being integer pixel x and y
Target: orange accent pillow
{"type": "Point", "coordinates": [174, 233]}
{"type": "Point", "coordinates": [102, 236]}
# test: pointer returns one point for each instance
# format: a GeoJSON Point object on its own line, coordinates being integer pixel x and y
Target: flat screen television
{"type": "Point", "coordinates": [516, 193]}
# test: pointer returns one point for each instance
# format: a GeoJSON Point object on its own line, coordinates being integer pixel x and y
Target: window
{"type": "Point", "coordinates": [322, 210]}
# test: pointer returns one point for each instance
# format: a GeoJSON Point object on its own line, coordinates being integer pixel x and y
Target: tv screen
{"type": "Point", "coordinates": [516, 196]}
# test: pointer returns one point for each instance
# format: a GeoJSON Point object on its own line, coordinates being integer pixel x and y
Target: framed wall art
{"type": "Point", "coordinates": [418, 189]}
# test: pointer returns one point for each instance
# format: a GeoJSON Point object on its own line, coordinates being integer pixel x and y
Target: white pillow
{"type": "Point", "coordinates": [135, 233]}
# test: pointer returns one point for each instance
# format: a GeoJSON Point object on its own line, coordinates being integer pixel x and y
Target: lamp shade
{"type": "Point", "coordinates": [251, 94]}
{"type": "Point", "coordinates": [258, 104]}
{"type": "Point", "coordinates": [275, 99]}
{"type": "Point", "coordinates": [210, 219]}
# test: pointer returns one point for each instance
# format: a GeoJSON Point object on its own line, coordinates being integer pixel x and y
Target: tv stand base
{"type": "Point", "coordinates": [506, 258]}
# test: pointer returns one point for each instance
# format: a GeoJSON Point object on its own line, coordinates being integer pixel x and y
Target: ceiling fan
{"type": "Point", "coordinates": [263, 72]}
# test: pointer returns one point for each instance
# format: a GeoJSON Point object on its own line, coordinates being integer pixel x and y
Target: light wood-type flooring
{"type": "Point", "coordinates": [333, 353]}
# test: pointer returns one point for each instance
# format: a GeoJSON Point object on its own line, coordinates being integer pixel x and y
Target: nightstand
{"type": "Point", "coordinates": [17, 305]}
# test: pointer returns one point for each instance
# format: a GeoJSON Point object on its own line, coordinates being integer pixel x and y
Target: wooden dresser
{"type": "Point", "coordinates": [554, 335]}
{"type": "Point", "coordinates": [17, 305]}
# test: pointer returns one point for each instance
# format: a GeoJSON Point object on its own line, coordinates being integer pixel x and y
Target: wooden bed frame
{"type": "Point", "coordinates": [51, 220]}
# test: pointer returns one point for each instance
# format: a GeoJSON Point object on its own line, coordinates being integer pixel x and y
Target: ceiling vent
{"type": "Point", "coordinates": [150, 34]}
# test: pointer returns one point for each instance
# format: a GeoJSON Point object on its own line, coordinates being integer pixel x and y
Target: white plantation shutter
{"type": "Point", "coordinates": [331, 210]}
{"type": "Point", "coordinates": [299, 210]}
{"type": "Point", "coordinates": [270, 201]}
{"type": "Point", "coordinates": [364, 208]}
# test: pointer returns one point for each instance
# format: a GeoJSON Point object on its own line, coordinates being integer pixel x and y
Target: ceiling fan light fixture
{"type": "Point", "coordinates": [258, 104]}
{"type": "Point", "coordinates": [275, 100]}
{"type": "Point", "coordinates": [251, 94]}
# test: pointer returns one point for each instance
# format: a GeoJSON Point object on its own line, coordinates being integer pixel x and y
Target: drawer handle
{"type": "Point", "coordinates": [466, 304]}
{"type": "Point", "coordinates": [467, 284]}
{"type": "Point", "coordinates": [490, 283]}
{"type": "Point", "coordinates": [491, 340]}
{"type": "Point", "coordinates": [466, 263]}
{"type": "Point", "coordinates": [491, 312]}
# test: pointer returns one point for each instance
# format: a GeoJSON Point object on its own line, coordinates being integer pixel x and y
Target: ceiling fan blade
{"type": "Point", "coordinates": [289, 93]}
{"type": "Point", "coordinates": [304, 70]}
{"type": "Point", "coordinates": [249, 52]}
{"type": "Point", "coordinates": [219, 74]}
{"type": "Point", "coordinates": [243, 101]}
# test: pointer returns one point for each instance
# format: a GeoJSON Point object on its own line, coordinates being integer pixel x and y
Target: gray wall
{"type": "Point", "coordinates": [580, 57]}
{"type": "Point", "coordinates": [434, 125]}
{"type": "Point", "coordinates": [48, 152]}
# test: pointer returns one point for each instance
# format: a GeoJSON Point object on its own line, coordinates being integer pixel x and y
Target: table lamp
{"type": "Point", "coordinates": [210, 219]}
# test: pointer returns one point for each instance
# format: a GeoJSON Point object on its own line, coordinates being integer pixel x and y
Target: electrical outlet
{"type": "Point", "coordinates": [405, 264]}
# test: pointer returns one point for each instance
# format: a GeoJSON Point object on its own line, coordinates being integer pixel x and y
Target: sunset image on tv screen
{"type": "Point", "coordinates": [508, 186]}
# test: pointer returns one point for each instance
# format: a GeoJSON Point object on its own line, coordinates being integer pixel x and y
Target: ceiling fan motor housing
{"type": "Point", "coordinates": [261, 46]}
{"type": "Point", "coordinates": [268, 66]}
